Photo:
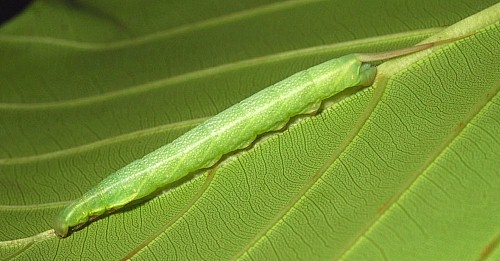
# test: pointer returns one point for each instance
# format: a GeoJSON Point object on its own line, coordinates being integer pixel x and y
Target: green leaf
{"type": "Point", "coordinates": [405, 169]}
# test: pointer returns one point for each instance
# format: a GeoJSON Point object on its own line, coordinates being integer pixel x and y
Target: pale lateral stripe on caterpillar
{"type": "Point", "coordinates": [233, 129]}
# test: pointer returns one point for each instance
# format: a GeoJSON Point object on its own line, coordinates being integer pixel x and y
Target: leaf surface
{"type": "Point", "coordinates": [405, 169]}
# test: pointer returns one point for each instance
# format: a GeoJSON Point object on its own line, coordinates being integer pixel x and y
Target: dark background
{"type": "Point", "coordinates": [10, 8]}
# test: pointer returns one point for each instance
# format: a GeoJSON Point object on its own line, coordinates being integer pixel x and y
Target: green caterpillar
{"type": "Point", "coordinates": [235, 128]}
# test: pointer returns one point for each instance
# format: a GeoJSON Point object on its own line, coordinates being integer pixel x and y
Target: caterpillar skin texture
{"type": "Point", "coordinates": [201, 147]}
